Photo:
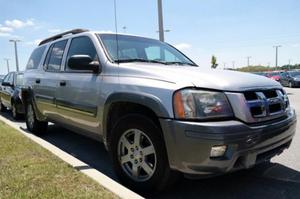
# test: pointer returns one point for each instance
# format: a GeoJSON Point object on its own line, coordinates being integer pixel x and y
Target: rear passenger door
{"type": "Point", "coordinates": [79, 91]}
{"type": "Point", "coordinates": [47, 83]}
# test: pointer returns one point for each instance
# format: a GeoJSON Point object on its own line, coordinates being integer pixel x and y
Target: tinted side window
{"type": "Point", "coordinates": [82, 46]}
{"type": "Point", "coordinates": [11, 78]}
{"type": "Point", "coordinates": [35, 58]}
{"type": "Point", "coordinates": [6, 77]}
{"type": "Point", "coordinates": [55, 55]}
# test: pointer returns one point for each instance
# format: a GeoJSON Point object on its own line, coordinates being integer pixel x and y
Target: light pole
{"type": "Point", "coordinates": [160, 21]}
{"type": "Point", "coordinates": [290, 61]}
{"type": "Point", "coordinates": [276, 55]}
{"type": "Point", "coordinates": [16, 52]}
{"type": "Point", "coordinates": [7, 64]}
{"type": "Point", "coordinates": [248, 60]}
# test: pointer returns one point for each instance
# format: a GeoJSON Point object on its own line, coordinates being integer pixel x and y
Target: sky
{"type": "Point", "coordinates": [229, 29]}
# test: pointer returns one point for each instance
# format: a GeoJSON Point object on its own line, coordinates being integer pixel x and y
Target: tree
{"type": "Point", "coordinates": [214, 62]}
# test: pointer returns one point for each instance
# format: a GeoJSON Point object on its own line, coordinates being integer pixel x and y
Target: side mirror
{"type": "Point", "coordinates": [83, 62]}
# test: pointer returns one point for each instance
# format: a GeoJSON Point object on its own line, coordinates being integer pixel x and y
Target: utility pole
{"type": "Point", "coordinates": [248, 60]}
{"type": "Point", "coordinates": [290, 61]}
{"type": "Point", "coordinates": [160, 21]}
{"type": "Point", "coordinates": [16, 52]}
{"type": "Point", "coordinates": [276, 55]}
{"type": "Point", "coordinates": [7, 64]}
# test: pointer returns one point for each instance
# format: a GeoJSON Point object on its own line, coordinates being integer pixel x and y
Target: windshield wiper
{"type": "Point", "coordinates": [180, 63]}
{"type": "Point", "coordinates": [139, 60]}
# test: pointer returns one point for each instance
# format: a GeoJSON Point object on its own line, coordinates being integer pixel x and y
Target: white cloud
{"type": "Point", "coordinates": [34, 42]}
{"type": "Point", "coordinates": [183, 46]}
{"type": "Point", "coordinates": [54, 30]}
{"type": "Point", "coordinates": [4, 34]}
{"type": "Point", "coordinates": [15, 24]}
{"type": "Point", "coordinates": [4, 29]}
{"type": "Point", "coordinates": [295, 45]}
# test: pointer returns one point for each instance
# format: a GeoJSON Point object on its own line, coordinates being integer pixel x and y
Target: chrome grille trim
{"type": "Point", "coordinates": [259, 105]}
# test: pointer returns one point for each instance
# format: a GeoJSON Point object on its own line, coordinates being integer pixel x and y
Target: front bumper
{"type": "Point", "coordinates": [189, 143]}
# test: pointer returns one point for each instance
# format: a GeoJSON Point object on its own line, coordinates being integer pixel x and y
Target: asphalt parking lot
{"type": "Point", "coordinates": [278, 179]}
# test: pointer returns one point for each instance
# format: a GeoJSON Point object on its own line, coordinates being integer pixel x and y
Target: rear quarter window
{"type": "Point", "coordinates": [35, 58]}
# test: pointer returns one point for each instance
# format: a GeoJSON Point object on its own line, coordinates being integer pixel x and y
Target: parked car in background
{"type": "Point", "coordinates": [290, 79]}
{"type": "Point", "coordinates": [275, 75]}
{"type": "Point", "coordinates": [10, 97]}
{"type": "Point", "coordinates": [1, 79]}
{"type": "Point", "coordinates": [260, 73]}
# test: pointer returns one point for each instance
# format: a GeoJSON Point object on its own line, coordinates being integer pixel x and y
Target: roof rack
{"type": "Point", "coordinates": [55, 37]}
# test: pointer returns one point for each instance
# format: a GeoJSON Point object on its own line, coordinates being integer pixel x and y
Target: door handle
{"type": "Point", "coordinates": [37, 81]}
{"type": "Point", "coordinates": [62, 83]}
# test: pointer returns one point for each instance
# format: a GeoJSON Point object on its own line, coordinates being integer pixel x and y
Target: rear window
{"type": "Point", "coordinates": [35, 58]}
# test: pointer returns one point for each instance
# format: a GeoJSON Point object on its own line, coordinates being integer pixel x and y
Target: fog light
{"type": "Point", "coordinates": [218, 151]}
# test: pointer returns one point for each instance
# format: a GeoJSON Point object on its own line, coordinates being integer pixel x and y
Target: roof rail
{"type": "Point", "coordinates": [55, 37]}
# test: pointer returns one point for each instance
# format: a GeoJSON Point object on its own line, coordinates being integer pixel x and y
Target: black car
{"type": "Point", "coordinates": [290, 78]}
{"type": "Point", "coordinates": [10, 94]}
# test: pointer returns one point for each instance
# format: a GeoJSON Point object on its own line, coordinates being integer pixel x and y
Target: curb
{"type": "Point", "coordinates": [99, 177]}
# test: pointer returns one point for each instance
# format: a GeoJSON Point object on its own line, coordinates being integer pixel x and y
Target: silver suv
{"type": "Point", "coordinates": [157, 112]}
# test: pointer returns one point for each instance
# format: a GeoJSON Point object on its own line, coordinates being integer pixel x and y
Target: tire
{"type": "Point", "coordinates": [14, 111]}
{"type": "Point", "coordinates": [159, 175]}
{"type": "Point", "coordinates": [33, 124]}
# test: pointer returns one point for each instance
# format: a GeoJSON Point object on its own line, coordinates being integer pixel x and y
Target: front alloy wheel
{"type": "Point", "coordinates": [137, 155]}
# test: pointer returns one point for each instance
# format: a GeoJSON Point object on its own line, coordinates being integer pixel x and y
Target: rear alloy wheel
{"type": "Point", "coordinates": [33, 125]}
{"type": "Point", "coordinates": [139, 155]}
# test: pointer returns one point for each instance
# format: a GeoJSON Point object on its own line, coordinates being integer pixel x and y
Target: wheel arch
{"type": "Point", "coordinates": [120, 104]}
{"type": "Point", "coordinates": [27, 96]}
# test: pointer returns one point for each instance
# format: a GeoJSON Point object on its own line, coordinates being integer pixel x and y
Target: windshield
{"type": "Point", "coordinates": [138, 49]}
{"type": "Point", "coordinates": [19, 80]}
{"type": "Point", "coordinates": [296, 73]}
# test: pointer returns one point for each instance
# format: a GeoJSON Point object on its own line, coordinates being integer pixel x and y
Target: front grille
{"type": "Point", "coordinates": [266, 103]}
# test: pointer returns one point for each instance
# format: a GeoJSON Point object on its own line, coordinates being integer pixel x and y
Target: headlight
{"type": "Point", "coordinates": [200, 104]}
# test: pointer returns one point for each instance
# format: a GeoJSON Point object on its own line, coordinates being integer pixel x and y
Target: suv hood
{"type": "Point", "coordinates": [201, 77]}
